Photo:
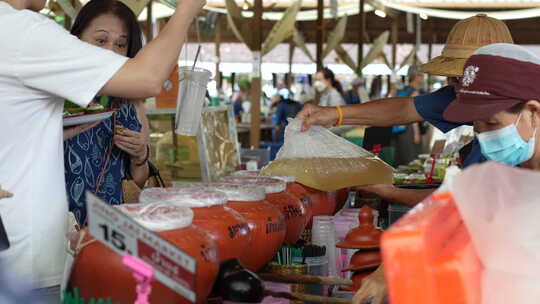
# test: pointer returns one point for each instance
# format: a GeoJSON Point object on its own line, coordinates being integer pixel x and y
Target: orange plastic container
{"type": "Point", "coordinates": [429, 256]}
{"type": "Point", "coordinates": [168, 97]}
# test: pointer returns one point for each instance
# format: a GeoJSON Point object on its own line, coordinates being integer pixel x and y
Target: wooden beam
{"type": "Point", "coordinates": [255, 133]}
{"type": "Point", "coordinates": [291, 57]}
{"type": "Point", "coordinates": [361, 35]}
{"type": "Point", "coordinates": [320, 33]}
{"type": "Point", "coordinates": [149, 22]}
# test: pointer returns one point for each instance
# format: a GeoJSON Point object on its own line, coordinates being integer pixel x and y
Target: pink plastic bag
{"type": "Point", "coordinates": [500, 206]}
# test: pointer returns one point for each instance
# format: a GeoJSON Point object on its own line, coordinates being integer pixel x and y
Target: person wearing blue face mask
{"type": "Point", "coordinates": [496, 92]}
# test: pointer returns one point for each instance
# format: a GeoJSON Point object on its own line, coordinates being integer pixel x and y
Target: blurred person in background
{"type": "Point", "coordinates": [407, 139]}
{"type": "Point", "coordinates": [353, 95]}
{"type": "Point", "coordinates": [286, 108]}
{"type": "Point", "coordinates": [330, 89]}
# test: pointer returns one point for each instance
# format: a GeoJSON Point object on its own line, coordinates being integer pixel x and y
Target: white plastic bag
{"type": "Point", "coordinates": [321, 160]}
{"type": "Point", "coordinates": [500, 206]}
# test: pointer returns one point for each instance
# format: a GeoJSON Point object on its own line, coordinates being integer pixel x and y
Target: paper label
{"type": "Point", "coordinates": [256, 73]}
{"type": "Point", "coordinates": [172, 267]}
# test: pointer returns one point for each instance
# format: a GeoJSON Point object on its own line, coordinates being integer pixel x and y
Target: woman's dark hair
{"type": "Point", "coordinates": [96, 8]}
{"type": "Point", "coordinates": [376, 87]}
{"type": "Point", "coordinates": [329, 75]}
{"type": "Point", "coordinates": [515, 109]}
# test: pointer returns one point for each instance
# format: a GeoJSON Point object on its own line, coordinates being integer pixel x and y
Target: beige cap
{"type": "Point", "coordinates": [466, 37]}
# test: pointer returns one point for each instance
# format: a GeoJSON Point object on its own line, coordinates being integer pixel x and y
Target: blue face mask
{"type": "Point", "coordinates": [506, 145]}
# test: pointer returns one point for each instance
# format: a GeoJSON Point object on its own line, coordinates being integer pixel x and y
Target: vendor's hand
{"type": "Point", "coordinates": [381, 190]}
{"type": "Point", "coordinates": [74, 131]}
{"type": "Point", "coordinates": [5, 194]}
{"type": "Point", "coordinates": [320, 116]}
{"type": "Point", "coordinates": [373, 288]}
{"type": "Point", "coordinates": [132, 142]}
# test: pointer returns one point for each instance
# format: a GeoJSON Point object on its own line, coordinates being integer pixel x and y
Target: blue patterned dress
{"type": "Point", "coordinates": [84, 157]}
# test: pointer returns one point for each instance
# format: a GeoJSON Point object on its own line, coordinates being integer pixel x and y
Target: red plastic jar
{"type": "Point", "coordinates": [324, 203]}
{"type": "Point", "coordinates": [225, 226]}
{"type": "Point", "coordinates": [291, 207]}
{"type": "Point", "coordinates": [98, 272]}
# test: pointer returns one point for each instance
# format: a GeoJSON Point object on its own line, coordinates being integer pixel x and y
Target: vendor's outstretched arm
{"type": "Point", "coordinates": [379, 113]}
{"type": "Point", "coordinates": [144, 75]}
{"type": "Point", "coordinates": [409, 197]}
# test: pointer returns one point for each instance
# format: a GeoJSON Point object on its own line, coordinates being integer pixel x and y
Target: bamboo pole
{"type": "Point", "coordinates": [255, 134]}
{"type": "Point", "coordinates": [291, 57]}
{"type": "Point", "coordinates": [361, 35]}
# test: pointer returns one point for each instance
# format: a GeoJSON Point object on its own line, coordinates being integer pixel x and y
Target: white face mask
{"type": "Point", "coordinates": [320, 86]}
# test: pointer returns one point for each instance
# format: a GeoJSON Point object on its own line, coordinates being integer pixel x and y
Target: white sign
{"type": "Point", "coordinates": [112, 227]}
{"type": "Point", "coordinates": [256, 72]}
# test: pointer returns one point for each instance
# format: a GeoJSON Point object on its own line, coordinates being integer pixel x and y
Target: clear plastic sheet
{"type": "Point", "coordinates": [271, 185]}
{"type": "Point", "coordinates": [234, 192]}
{"type": "Point", "coordinates": [255, 173]}
{"type": "Point", "coordinates": [220, 153]}
{"type": "Point", "coordinates": [322, 160]}
{"type": "Point", "coordinates": [158, 216]}
{"type": "Point", "coordinates": [500, 206]}
{"type": "Point", "coordinates": [191, 198]}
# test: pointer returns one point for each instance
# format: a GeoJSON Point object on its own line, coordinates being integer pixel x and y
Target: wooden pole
{"type": "Point", "coordinates": [149, 22]}
{"type": "Point", "coordinates": [291, 57]}
{"type": "Point", "coordinates": [394, 34]}
{"type": "Point", "coordinates": [361, 35]}
{"type": "Point", "coordinates": [320, 33]}
{"type": "Point", "coordinates": [219, 81]}
{"type": "Point", "coordinates": [255, 134]}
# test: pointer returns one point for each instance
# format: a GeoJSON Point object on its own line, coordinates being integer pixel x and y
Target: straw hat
{"type": "Point", "coordinates": [464, 38]}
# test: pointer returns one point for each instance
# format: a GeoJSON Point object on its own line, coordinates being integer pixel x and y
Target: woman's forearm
{"type": "Point", "coordinates": [382, 113]}
{"type": "Point", "coordinates": [140, 173]}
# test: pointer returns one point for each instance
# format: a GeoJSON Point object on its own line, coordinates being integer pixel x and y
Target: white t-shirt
{"type": "Point", "coordinates": [41, 65]}
{"type": "Point", "coordinates": [331, 99]}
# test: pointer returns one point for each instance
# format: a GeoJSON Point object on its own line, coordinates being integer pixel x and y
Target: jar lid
{"type": "Point", "coordinates": [246, 173]}
{"type": "Point", "coordinates": [233, 192]}
{"type": "Point", "coordinates": [188, 197]}
{"type": "Point", "coordinates": [271, 185]}
{"type": "Point", "coordinates": [158, 216]}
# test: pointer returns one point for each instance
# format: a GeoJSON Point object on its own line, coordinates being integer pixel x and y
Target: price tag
{"type": "Point", "coordinates": [174, 268]}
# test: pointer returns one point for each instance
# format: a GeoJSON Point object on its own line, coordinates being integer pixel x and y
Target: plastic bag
{"type": "Point", "coordinates": [321, 160]}
{"type": "Point", "coordinates": [500, 206]}
{"type": "Point", "coordinates": [158, 216]}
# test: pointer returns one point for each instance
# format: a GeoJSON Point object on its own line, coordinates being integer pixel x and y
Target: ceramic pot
{"type": "Point", "coordinates": [293, 188]}
{"type": "Point", "coordinates": [291, 207]}
{"type": "Point", "coordinates": [266, 222]}
{"type": "Point", "coordinates": [342, 195]}
{"type": "Point", "coordinates": [365, 236]}
{"type": "Point", "coordinates": [364, 259]}
{"type": "Point", "coordinates": [323, 203]}
{"type": "Point", "coordinates": [236, 284]}
{"type": "Point", "coordinates": [226, 227]}
{"type": "Point", "coordinates": [98, 272]}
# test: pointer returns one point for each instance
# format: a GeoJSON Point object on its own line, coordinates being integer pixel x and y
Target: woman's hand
{"type": "Point", "coordinates": [5, 194]}
{"type": "Point", "coordinates": [382, 190]}
{"type": "Point", "coordinates": [132, 142]}
{"type": "Point", "coordinates": [320, 116]}
{"type": "Point", "coordinates": [74, 131]}
{"type": "Point", "coordinates": [373, 288]}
